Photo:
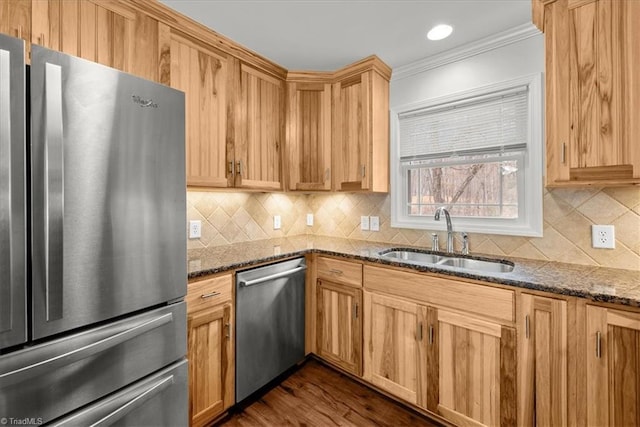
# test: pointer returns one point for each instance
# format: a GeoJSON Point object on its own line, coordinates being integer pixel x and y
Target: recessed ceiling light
{"type": "Point", "coordinates": [439, 32]}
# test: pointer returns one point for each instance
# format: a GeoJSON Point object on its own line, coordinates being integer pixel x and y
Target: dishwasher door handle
{"type": "Point", "coordinates": [264, 279]}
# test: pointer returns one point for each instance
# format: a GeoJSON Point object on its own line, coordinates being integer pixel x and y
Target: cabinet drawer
{"type": "Point", "coordinates": [208, 292]}
{"type": "Point", "coordinates": [348, 273]}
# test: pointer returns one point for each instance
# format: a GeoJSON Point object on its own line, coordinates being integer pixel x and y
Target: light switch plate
{"type": "Point", "coordinates": [603, 236]}
{"type": "Point", "coordinates": [195, 229]}
{"type": "Point", "coordinates": [277, 222]}
{"type": "Point", "coordinates": [374, 223]}
{"type": "Point", "coordinates": [309, 219]}
{"type": "Point", "coordinates": [364, 223]}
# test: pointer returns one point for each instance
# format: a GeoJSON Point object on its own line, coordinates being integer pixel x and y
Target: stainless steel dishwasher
{"type": "Point", "coordinates": [269, 323]}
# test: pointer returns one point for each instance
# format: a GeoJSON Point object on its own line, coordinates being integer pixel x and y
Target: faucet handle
{"type": "Point", "coordinates": [435, 246]}
{"type": "Point", "coordinates": [465, 243]}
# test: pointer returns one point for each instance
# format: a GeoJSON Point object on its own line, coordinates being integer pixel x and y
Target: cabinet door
{"type": "Point", "coordinates": [351, 123]}
{"type": "Point", "coordinates": [201, 73]}
{"type": "Point", "coordinates": [210, 357]}
{"type": "Point", "coordinates": [543, 361]}
{"type": "Point", "coordinates": [107, 32]}
{"type": "Point", "coordinates": [309, 136]}
{"type": "Point", "coordinates": [592, 92]}
{"type": "Point", "coordinates": [260, 130]}
{"type": "Point", "coordinates": [557, 121]}
{"type": "Point", "coordinates": [15, 19]}
{"type": "Point", "coordinates": [339, 325]}
{"type": "Point", "coordinates": [477, 371]}
{"type": "Point", "coordinates": [613, 367]}
{"type": "Point", "coordinates": [361, 133]}
{"type": "Point", "coordinates": [395, 357]}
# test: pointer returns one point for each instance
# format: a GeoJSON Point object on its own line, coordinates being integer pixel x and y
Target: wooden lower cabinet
{"type": "Point", "coordinates": [543, 354]}
{"type": "Point", "coordinates": [612, 367]}
{"type": "Point", "coordinates": [477, 370]}
{"type": "Point", "coordinates": [457, 366]}
{"type": "Point", "coordinates": [395, 354]}
{"type": "Point", "coordinates": [210, 349]}
{"type": "Point", "coordinates": [339, 323]}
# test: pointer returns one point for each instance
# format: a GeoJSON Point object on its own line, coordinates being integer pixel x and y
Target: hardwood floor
{"type": "Point", "coordinates": [316, 395]}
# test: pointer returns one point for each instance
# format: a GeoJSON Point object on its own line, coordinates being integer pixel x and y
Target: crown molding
{"type": "Point", "coordinates": [495, 41]}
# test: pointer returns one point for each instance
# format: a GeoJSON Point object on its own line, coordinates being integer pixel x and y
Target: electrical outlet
{"type": "Point", "coordinates": [277, 222]}
{"type": "Point", "coordinates": [603, 236]}
{"type": "Point", "coordinates": [195, 229]}
{"type": "Point", "coordinates": [364, 223]}
{"type": "Point", "coordinates": [374, 222]}
{"type": "Point", "coordinates": [309, 219]}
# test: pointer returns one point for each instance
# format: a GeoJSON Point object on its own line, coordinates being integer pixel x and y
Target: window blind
{"type": "Point", "coordinates": [489, 123]}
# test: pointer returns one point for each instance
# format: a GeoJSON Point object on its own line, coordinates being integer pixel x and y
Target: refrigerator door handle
{"type": "Point", "coordinates": [54, 192]}
{"type": "Point", "coordinates": [5, 191]}
{"type": "Point", "coordinates": [49, 365]}
{"type": "Point", "coordinates": [136, 399]}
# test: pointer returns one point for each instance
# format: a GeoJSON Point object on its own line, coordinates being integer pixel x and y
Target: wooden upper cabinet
{"type": "Point", "coordinates": [543, 353]}
{"type": "Point", "coordinates": [593, 91]}
{"type": "Point", "coordinates": [15, 19]}
{"type": "Point", "coordinates": [308, 151]}
{"type": "Point", "coordinates": [361, 127]}
{"type": "Point", "coordinates": [104, 31]}
{"type": "Point", "coordinates": [613, 367]}
{"type": "Point", "coordinates": [259, 132]}
{"type": "Point", "coordinates": [202, 73]}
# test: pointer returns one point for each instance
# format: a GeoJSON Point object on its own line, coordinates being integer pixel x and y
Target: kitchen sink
{"type": "Point", "coordinates": [422, 258]}
{"type": "Point", "coordinates": [477, 265]}
{"type": "Point", "coordinates": [412, 257]}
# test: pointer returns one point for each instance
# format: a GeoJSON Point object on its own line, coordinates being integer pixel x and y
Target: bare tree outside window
{"type": "Point", "coordinates": [482, 189]}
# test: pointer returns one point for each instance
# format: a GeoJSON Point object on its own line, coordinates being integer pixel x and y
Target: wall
{"type": "Point", "coordinates": [568, 213]}
{"type": "Point", "coordinates": [240, 217]}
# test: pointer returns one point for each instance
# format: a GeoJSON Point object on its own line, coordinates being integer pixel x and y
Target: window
{"type": "Point", "coordinates": [477, 153]}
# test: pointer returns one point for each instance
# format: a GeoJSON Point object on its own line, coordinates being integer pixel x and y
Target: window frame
{"type": "Point", "coordinates": [529, 221]}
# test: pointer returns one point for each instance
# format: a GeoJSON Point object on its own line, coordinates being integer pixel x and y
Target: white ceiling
{"type": "Point", "coordinates": [329, 34]}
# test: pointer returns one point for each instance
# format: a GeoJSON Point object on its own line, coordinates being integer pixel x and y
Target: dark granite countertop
{"type": "Point", "coordinates": [595, 283]}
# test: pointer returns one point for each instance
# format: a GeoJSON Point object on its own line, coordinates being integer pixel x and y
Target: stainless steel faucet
{"type": "Point", "coordinates": [449, 228]}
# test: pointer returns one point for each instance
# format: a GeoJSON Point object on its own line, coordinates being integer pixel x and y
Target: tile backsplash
{"type": "Point", "coordinates": [568, 216]}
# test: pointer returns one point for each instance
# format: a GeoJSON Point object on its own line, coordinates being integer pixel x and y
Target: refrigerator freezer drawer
{"type": "Point", "coordinates": [158, 400]}
{"type": "Point", "coordinates": [51, 379]}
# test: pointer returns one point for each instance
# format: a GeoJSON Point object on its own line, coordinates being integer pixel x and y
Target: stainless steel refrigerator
{"type": "Point", "coordinates": [92, 244]}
